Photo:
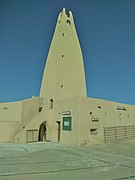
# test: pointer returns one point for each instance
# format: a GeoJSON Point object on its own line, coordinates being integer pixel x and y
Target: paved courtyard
{"type": "Point", "coordinates": [52, 161]}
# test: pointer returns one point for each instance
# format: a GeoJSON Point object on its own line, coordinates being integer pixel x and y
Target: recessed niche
{"type": "Point", "coordinates": [62, 55]}
{"type": "Point", "coordinates": [62, 34]}
{"type": "Point", "coordinates": [61, 86]}
{"type": "Point", "coordinates": [59, 21]}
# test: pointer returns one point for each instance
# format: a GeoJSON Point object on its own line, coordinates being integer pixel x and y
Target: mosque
{"type": "Point", "coordinates": [63, 112]}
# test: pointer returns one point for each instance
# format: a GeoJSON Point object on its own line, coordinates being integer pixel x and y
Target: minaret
{"type": "Point", "coordinates": [64, 75]}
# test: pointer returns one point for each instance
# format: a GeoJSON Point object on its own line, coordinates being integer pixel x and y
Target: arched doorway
{"type": "Point", "coordinates": [42, 132]}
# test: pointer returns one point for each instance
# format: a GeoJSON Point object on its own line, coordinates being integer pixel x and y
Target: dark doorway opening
{"type": "Point", "coordinates": [58, 128]}
{"type": "Point", "coordinates": [42, 132]}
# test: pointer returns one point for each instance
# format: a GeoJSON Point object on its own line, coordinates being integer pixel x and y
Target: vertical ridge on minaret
{"type": "Point", "coordinates": [64, 75]}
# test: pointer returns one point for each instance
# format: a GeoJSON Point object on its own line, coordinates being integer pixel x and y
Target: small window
{"type": "Point", "coordinates": [62, 55]}
{"type": "Point", "coordinates": [93, 131]}
{"type": "Point", "coordinates": [51, 103]}
{"type": "Point", "coordinates": [68, 22]}
{"type": "Point", "coordinates": [62, 34]}
{"type": "Point", "coordinates": [61, 86]}
{"type": "Point", "coordinates": [5, 108]}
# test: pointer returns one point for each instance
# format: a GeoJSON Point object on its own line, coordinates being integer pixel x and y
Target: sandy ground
{"type": "Point", "coordinates": [52, 161]}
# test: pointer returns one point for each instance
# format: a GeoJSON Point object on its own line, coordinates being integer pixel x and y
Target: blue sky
{"type": "Point", "coordinates": [106, 30]}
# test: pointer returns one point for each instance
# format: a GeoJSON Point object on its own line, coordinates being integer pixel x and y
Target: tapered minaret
{"type": "Point", "coordinates": [64, 75]}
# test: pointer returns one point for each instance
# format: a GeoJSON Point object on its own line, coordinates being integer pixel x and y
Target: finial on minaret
{"type": "Point", "coordinates": [70, 15]}
{"type": "Point", "coordinates": [63, 11]}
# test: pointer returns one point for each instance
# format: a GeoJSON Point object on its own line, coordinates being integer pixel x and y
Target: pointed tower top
{"type": "Point", "coordinates": [64, 75]}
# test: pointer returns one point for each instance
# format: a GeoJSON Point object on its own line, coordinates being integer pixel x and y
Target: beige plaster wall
{"type": "Point", "coordinates": [30, 108]}
{"type": "Point", "coordinates": [80, 109]}
{"type": "Point", "coordinates": [7, 130]}
{"type": "Point", "coordinates": [10, 117]}
{"type": "Point", "coordinates": [107, 114]}
{"type": "Point", "coordinates": [11, 111]}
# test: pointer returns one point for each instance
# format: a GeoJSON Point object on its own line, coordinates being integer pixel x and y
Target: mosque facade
{"type": "Point", "coordinates": [63, 112]}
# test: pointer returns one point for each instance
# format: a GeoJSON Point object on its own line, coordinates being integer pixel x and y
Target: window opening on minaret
{"type": "Point", "coordinates": [98, 105]}
{"type": "Point", "coordinates": [68, 22]}
{"type": "Point", "coordinates": [59, 21]}
{"type": "Point", "coordinates": [62, 55]}
{"type": "Point", "coordinates": [62, 86]}
{"type": "Point", "coordinates": [62, 34]}
{"type": "Point", "coordinates": [51, 103]}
